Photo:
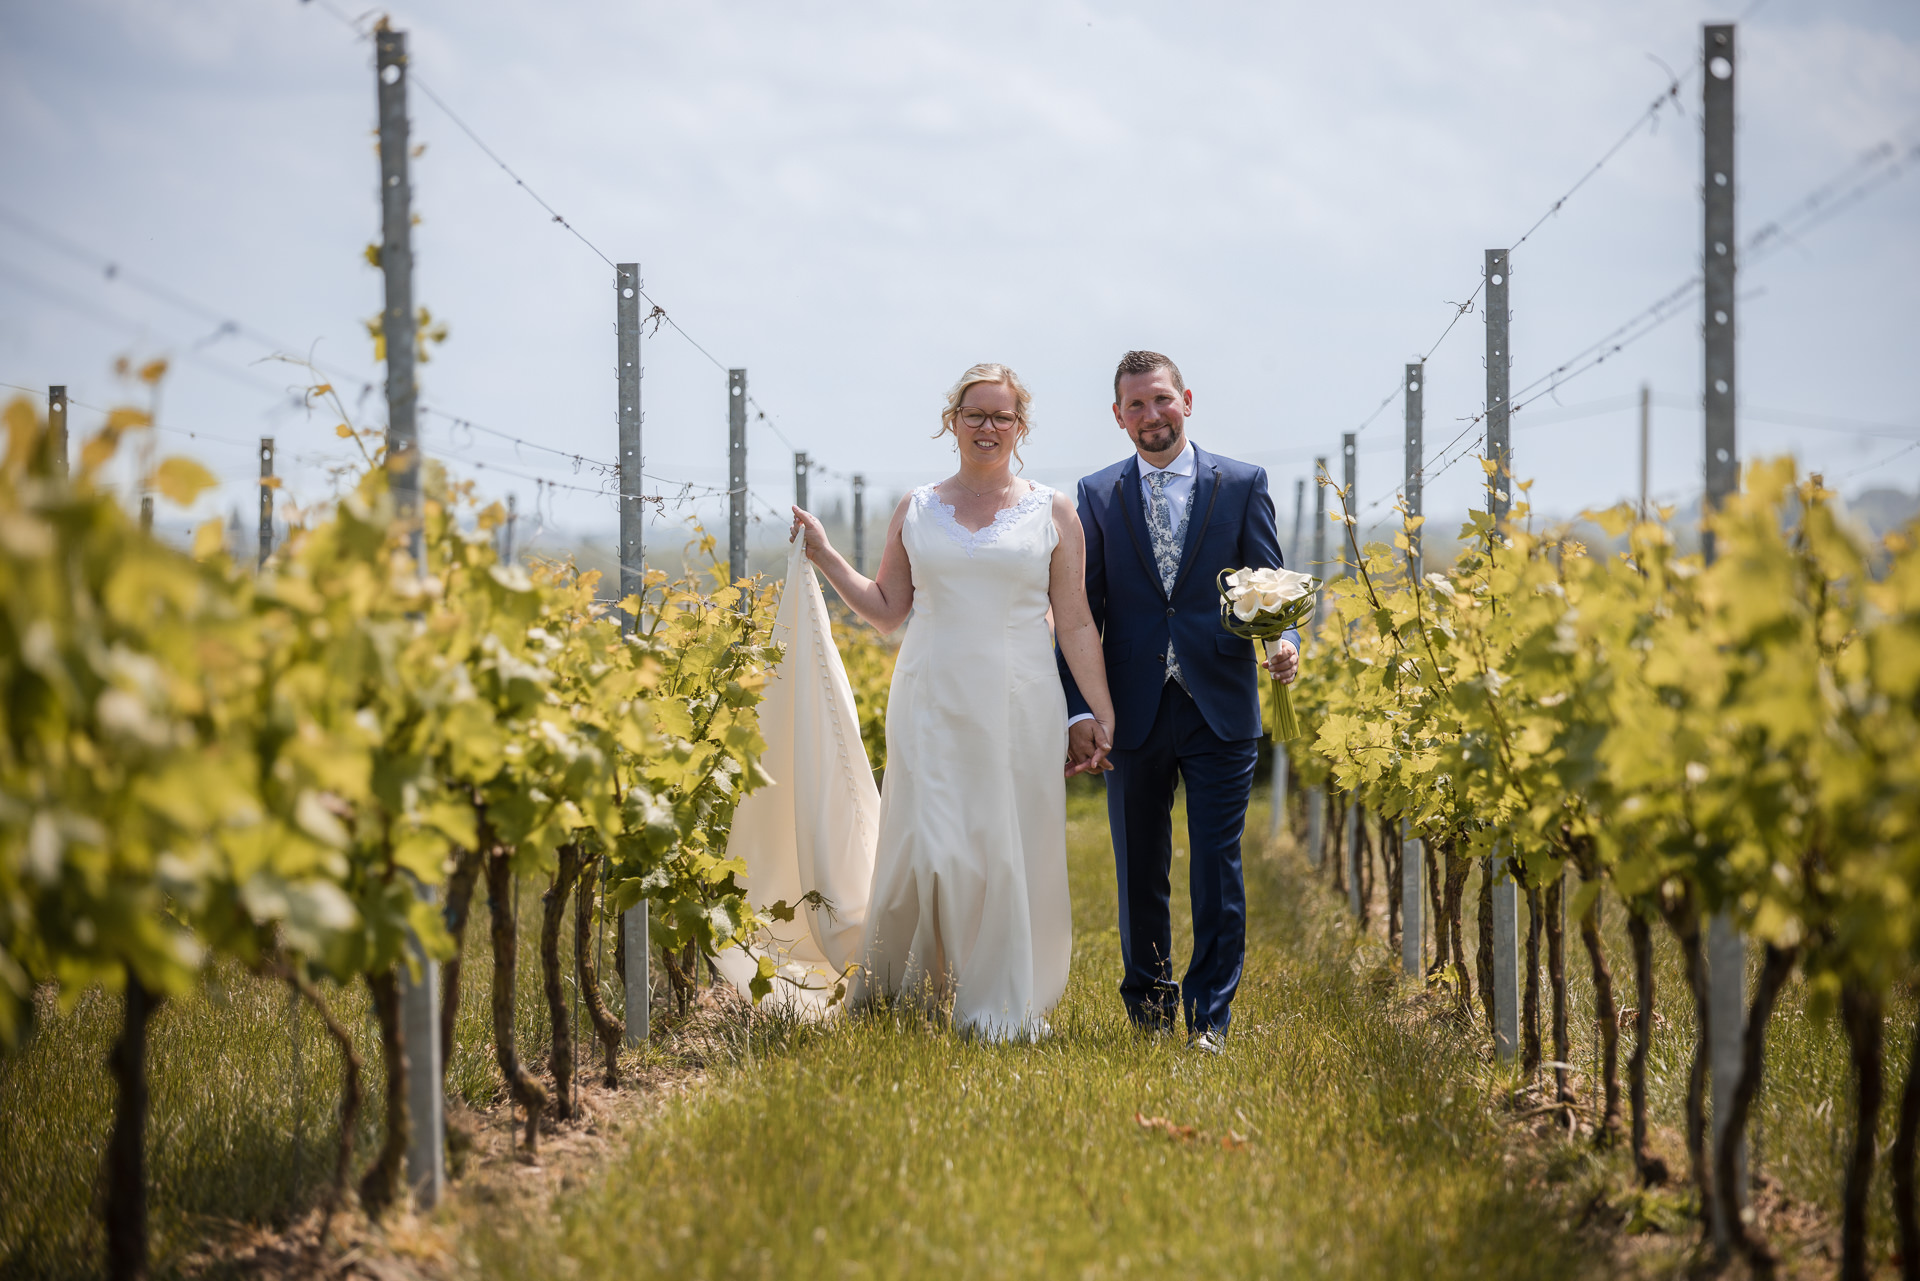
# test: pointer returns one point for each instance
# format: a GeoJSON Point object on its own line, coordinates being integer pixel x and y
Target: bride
{"type": "Point", "coordinates": [968, 901]}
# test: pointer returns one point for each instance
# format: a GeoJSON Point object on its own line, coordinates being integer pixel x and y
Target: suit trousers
{"type": "Point", "coordinates": [1218, 776]}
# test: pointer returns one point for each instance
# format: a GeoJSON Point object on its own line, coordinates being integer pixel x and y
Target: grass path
{"type": "Point", "coordinates": [1345, 1133]}
{"type": "Point", "coordinates": [1335, 1138]}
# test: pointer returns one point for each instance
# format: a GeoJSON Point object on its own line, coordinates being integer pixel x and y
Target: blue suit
{"type": "Point", "coordinates": [1206, 735]}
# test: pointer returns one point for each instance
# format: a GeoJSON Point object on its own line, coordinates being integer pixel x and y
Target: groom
{"type": "Point", "coordinates": [1160, 528]}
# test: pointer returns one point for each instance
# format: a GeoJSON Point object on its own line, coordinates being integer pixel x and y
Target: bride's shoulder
{"type": "Point", "coordinates": [1039, 495]}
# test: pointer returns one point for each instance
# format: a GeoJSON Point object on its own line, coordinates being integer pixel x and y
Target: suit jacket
{"type": "Point", "coordinates": [1230, 525]}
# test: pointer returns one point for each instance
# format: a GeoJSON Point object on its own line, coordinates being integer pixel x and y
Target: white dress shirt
{"type": "Point", "coordinates": [1179, 492]}
{"type": "Point", "coordinates": [1179, 489]}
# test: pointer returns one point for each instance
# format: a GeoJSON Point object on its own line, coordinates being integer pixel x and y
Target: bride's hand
{"type": "Point", "coordinates": [807, 524]}
{"type": "Point", "coordinates": [1088, 744]}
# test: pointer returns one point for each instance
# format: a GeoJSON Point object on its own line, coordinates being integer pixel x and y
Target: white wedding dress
{"type": "Point", "coordinates": [968, 901]}
{"type": "Point", "coordinates": [812, 830]}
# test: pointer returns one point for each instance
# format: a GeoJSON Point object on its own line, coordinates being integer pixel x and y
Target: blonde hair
{"type": "Point", "coordinates": [989, 372]}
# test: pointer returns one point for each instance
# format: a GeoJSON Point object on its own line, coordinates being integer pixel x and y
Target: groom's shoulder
{"type": "Point", "coordinates": [1231, 469]}
{"type": "Point", "coordinates": [1105, 478]}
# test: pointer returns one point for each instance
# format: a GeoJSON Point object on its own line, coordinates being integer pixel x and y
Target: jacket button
{"type": "Point", "coordinates": [1169, 611]}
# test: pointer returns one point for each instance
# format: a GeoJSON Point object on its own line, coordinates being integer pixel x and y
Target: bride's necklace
{"type": "Point", "coordinates": [982, 493]}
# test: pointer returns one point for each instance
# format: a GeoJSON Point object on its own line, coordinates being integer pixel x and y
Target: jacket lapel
{"type": "Point", "coordinates": [1133, 513]}
{"type": "Point", "coordinates": [1206, 488]}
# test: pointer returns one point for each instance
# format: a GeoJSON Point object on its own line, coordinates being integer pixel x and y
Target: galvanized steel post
{"type": "Point", "coordinates": [1506, 898]}
{"type": "Point", "coordinates": [1646, 441]}
{"type": "Point", "coordinates": [1316, 825]}
{"type": "Point", "coordinates": [1282, 770]}
{"type": "Point", "coordinates": [1299, 512]}
{"type": "Point", "coordinates": [1317, 794]}
{"type": "Point", "coordinates": [1413, 903]}
{"type": "Point", "coordinates": [859, 524]}
{"type": "Point", "coordinates": [1350, 532]}
{"type": "Point", "coordinates": [736, 475]}
{"type": "Point", "coordinates": [397, 324]}
{"type": "Point", "coordinates": [1506, 956]}
{"type": "Point", "coordinates": [1282, 759]}
{"type": "Point", "coordinates": [57, 427]}
{"type": "Point", "coordinates": [1499, 369]}
{"type": "Point", "coordinates": [630, 372]}
{"type": "Point", "coordinates": [419, 995]}
{"type": "Point", "coordinates": [1415, 459]}
{"type": "Point", "coordinates": [1726, 950]}
{"type": "Point", "coordinates": [266, 498]}
{"type": "Point", "coordinates": [1413, 864]}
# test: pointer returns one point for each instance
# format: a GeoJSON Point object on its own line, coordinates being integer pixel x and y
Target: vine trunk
{"type": "Point", "coordinates": [381, 1184]}
{"type": "Point", "coordinates": [609, 1030]}
{"type": "Point", "coordinates": [1775, 966]}
{"type": "Point", "coordinates": [352, 1095]}
{"type": "Point", "coordinates": [1530, 1007]}
{"type": "Point", "coordinates": [125, 1208]}
{"type": "Point", "coordinates": [553, 912]}
{"type": "Point", "coordinates": [1652, 1170]}
{"type": "Point", "coordinates": [527, 1092]}
{"type": "Point", "coordinates": [1861, 1012]}
{"type": "Point", "coordinates": [460, 883]}
{"type": "Point", "coordinates": [1607, 1016]}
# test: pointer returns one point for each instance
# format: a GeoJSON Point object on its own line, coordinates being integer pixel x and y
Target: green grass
{"type": "Point", "coordinates": [892, 1147]}
{"type": "Point", "coordinates": [889, 1147]}
{"type": "Point", "coordinates": [1802, 1122]}
{"type": "Point", "coordinates": [245, 1097]}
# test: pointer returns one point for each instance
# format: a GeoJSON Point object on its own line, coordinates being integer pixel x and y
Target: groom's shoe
{"type": "Point", "coordinates": [1208, 1042]}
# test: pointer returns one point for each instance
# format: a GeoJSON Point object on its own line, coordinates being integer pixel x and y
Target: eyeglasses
{"type": "Point", "coordinates": [978, 418]}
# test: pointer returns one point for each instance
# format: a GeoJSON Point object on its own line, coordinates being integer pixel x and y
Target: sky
{"type": "Point", "coordinates": [855, 202]}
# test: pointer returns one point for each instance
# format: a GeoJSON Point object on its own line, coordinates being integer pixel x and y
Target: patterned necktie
{"type": "Point", "coordinates": [1166, 548]}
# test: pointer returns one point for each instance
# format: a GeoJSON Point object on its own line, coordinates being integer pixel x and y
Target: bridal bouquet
{"type": "Point", "coordinates": [1261, 604]}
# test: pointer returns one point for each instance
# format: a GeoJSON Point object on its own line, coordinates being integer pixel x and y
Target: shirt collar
{"type": "Point", "coordinates": [1182, 465]}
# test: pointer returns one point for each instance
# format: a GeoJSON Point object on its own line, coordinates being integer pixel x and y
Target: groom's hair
{"type": "Point", "coordinates": [1145, 362]}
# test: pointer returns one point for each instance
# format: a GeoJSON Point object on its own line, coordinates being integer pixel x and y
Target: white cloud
{"type": "Point", "coordinates": [857, 201]}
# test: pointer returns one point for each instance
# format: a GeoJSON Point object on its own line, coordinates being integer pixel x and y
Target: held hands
{"type": "Point", "coordinates": [1088, 744]}
{"type": "Point", "coordinates": [1283, 661]}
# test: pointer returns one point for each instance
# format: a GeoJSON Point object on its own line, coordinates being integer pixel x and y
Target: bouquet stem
{"type": "Point", "coordinates": [1286, 726]}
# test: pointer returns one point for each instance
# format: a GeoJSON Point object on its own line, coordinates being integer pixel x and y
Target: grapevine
{"type": "Point", "coordinates": [1733, 736]}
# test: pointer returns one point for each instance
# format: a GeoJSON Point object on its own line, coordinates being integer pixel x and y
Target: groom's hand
{"type": "Point", "coordinates": [1083, 749]}
{"type": "Point", "coordinates": [1284, 662]}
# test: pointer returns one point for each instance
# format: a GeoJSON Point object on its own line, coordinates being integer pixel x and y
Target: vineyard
{"type": "Point", "coordinates": [1681, 738]}
{"type": "Point", "coordinates": [242, 780]}
{"type": "Point", "coordinates": [360, 900]}
{"type": "Point", "coordinates": [308, 773]}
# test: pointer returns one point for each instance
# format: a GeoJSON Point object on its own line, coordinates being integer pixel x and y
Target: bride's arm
{"type": "Point", "coordinates": [884, 600]}
{"type": "Point", "coordinates": [1073, 626]}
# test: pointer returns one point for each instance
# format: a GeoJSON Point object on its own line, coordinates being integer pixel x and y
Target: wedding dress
{"type": "Point", "coordinates": [812, 830]}
{"type": "Point", "coordinates": [969, 898]}
{"type": "Point", "coordinates": [968, 903]}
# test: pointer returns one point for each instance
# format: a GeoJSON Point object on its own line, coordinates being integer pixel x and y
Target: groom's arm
{"type": "Point", "coordinates": [1096, 600]}
{"type": "Point", "coordinates": [1260, 537]}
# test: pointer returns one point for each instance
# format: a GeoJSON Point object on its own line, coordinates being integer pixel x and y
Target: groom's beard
{"type": "Point", "coordinates": [1158, 437]}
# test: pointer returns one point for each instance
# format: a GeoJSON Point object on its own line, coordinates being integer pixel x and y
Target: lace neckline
{"type": "Point", "coordinates": [928, 497]}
